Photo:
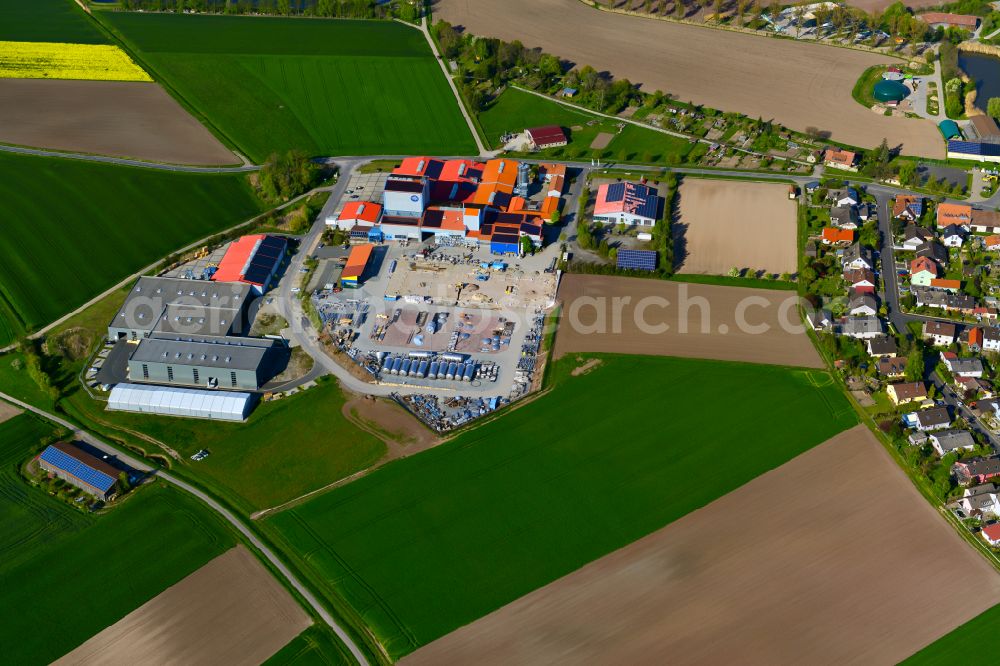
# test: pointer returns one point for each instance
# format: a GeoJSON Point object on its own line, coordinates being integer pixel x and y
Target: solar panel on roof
{"type": "Point", "coordinates": [643, 260]}
{"type": "Point", "coordinates": [71, 465]}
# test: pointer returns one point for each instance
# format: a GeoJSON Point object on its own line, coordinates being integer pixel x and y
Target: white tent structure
{"type": "Point", "coordinates": [169, 401]}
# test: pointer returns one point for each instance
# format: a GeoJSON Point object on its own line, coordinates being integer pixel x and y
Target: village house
{"type": "Point", "coordinates": [908, 207]}
{"type": "Point", "coordinates": [934, 251]}
{"type": "Point", "coordinates": [835, 236]}
{"type": "Point", "coordinates": [976, 470]}
{"type": "Point", "coordinates": [980, 500]}
{"type": "Point", "coordinates": [858, 256]}
{"type": "Point", "coordinates": [992, 242]}
{"type": "Point", "coordinates": [860, 280]}
{"type": "Point", "coordinates": [922, 271]}
{"type": "Point", "coordinates": [962, 367]}
{"type": "Point", "coordinates": [891, 367]}
{"type": "Point", "coordinates": [863, 304]}
{"type": "Point", "coordinates": [991, 534]}
{"type": "Point", "coordinates": [991, 339]}
{"type": "Point", "coordinates": [952, 441]}
{"type": "Point", "coordinates": [985, 222]}
{"type": "Point", "coordinates": [862, 328]}
{"type": "Point", "coordinates": [951, 213]}
{"type": "Point", "coordinates": [840, 159]}
{"type": "Point", "coordinates": [884, 346]}
{"type": "Point", "coordinates": [974, 388]}
{"type": "Point", "coordinates": [954, 286]}
{"type": "Point", "coordinates": [953, 236]}
{"type": "Point", "coordinates": [939, 333]}
{"type": "Point", "coordinates": [935, 418]}
{"type": "Point", "coordinates": [845, 196]}
{"type": "Point", "coordinates": [820, 320]}
{"type": "Point", "coordinates": [844, 217]}
{"type": "Point", "coordinates": [943, 300]}
{"type": "Point", "coordinates": [914, 237]}
{"type": "Point", "coordinates": [906, 392]}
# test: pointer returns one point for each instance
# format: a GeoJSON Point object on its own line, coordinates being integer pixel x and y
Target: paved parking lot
{"type": "Point", "coordinates": [363, 187]}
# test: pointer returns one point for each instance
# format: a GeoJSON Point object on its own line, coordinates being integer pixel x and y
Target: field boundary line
{"type": "Point", "coordinates": [215, 506]}
{"type": "Point", "coordinates": [123, 283]}
{"type": "Point", "coordinates": [451, 82]}
{"type": "Point", "coordinates": [128, 162]}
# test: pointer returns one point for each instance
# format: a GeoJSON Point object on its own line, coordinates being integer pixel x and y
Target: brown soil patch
{"type": "Point", "coordinates": [602, 140]}
{"type": "Point", "coordinates": [230, 611]}
{"type": "Point", "coordinates": [400, 430]}
{"type": "Point", "coordinates": [703, 321]}
{"type": "Point", "coordinates": [586, 367]}
{"type": "Point", "coordinates": [116, 118]}
{"type": "Point", "coordinates": [7, 411]}
{"type": "Point", "coordinates": [833, 558]}
{"type": "Point", "coordinates": [794, 83]}
{"type": "Point", "coordinates": [730, 224]}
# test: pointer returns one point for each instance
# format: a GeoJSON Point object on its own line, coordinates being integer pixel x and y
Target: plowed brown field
{"type": "Point", "coordinates": [833, 558]}
{"type": "Point", "coordinates": [114, 118]}
{"type": "Point", "coordinates": [794, 83]}
{"type": "Point", "coordinates": [703, 321]}
{"type": "Point", "coordinates": [726, 224]}
{"type": "Point", "coordinates": [231, 611]}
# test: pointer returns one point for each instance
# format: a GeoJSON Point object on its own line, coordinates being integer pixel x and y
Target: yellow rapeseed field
{"type": "Point", "coordinates": [50, 60]}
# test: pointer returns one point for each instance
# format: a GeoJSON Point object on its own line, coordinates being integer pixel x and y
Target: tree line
{"type": "Point", "coordinates": [356, 9]}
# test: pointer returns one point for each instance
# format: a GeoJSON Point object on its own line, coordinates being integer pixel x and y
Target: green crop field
{"type": "Point", "coordinates": [975, 642]}
{"type": "Point", "coordinates": [316, 646]}
{"type": "Point", "coordinates": [516, 110]}
{"type": "Point", "coordinates": [430, 543]}
{"type": "Point", "coordinates": [76, 574]}
{"type": "Point", "coordinates": [73, 229]}
{"type": "Point", "coordinates": [277, 455]}
{"type": "Point", "coordinates": [329, 87]}
{"type": "Point", "coordinates": [47, 21]}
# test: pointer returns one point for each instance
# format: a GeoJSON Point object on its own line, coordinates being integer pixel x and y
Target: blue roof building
{"type": "Point", "coordinates": [980, 151]}
{"type": "Point", "coordinates": [77, 467]}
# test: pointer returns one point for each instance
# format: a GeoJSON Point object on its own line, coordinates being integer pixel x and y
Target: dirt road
{"type": "Point", "coordinates": [730, 224]}
{"type": "Point", "coordinates": [116, 118]}
{"type": "Point", "coordinates": [231, 611]}
{"type": "Point", "coordinates": [794, 83]}
{"type": "Point", "coordinates": [703, 321]}
{"type": "Point", "coordinates": [833, 558]}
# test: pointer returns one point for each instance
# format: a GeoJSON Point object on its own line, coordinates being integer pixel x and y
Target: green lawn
{"type": "Point", "coordinates": [316, 646]}
{"type": "Point", "coordinates": [516, 110]}
{"type": "Point", "coordinates": [287, 448]}
{"type": "Point", "coordinates": [329, 87]}
{"type": "Point", "coordinates": [430, 543]}
{"type": "Point", "coordinates": [72, 229]}
{"type": "Point", "coordinates": [975, 642]}
{"type": "Point", "coordinates": [76, 574]}
{"type": "Point", "coordinates": [47, 21]}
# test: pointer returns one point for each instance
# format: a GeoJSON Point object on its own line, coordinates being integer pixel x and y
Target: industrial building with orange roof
{"type": "Point", "coordinates": [483, 201]}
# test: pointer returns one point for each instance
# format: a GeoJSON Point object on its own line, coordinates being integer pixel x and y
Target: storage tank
{"type": "Point", "coordinates": [434, 369]}
{"type": "Point", "coordinates": [442, 370]}
{"type": "Point", "coordinates": [452, 356]}
{"type": "Point", "coordinates": [422, 370]}
{"type": "Point", "coordinates": [393, 365]}
{"type": "Point", "coordinates": [420, 354]}
{"type": "Point", "coordinates": [414, 367]}
{"type": "Point", "coordinates": [404, 368]}
{"type": "Point", "coordinates": [470, 370]}
{"type": "Point", "coordinates": [452, 369]}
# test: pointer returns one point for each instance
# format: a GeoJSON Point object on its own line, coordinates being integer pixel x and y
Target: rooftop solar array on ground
{"type": "Point", "coordinates": [77, 468]}
{"type": "Point", "coordinates": [641, 260]}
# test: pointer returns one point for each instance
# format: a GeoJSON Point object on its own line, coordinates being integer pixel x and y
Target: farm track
{"type": "Point", "coordinates": [121, 161]}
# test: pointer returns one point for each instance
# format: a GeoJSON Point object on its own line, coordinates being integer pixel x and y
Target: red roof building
{"type": "Point", "coordinates": [833, 235]}
{"type": "Point", "coordinates": [992, 534]}
{"type": "Point", "coordinates": [549, 136]}
{"type": "Point", "coordinates": [364, 213]}
{"type": "Point", "coordinates": [252, 260]}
